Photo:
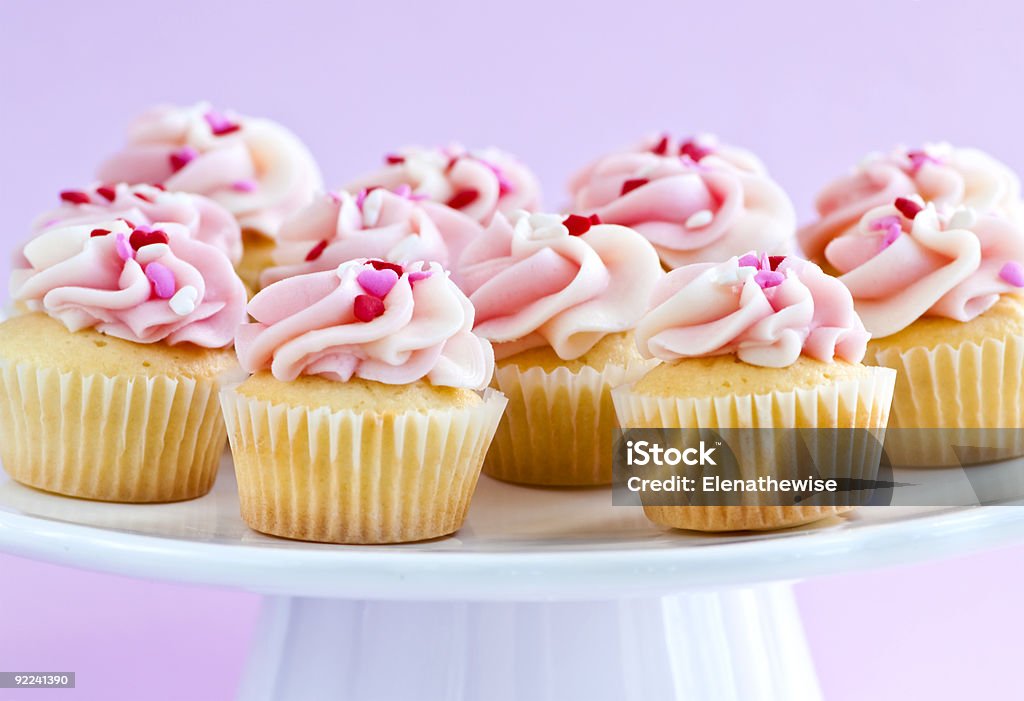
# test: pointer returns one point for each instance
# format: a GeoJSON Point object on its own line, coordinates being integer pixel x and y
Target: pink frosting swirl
{"type": "Point", "coordinates": [766, 310]}
{"type": "Point", "coordinates": [258, 170]}
{"type": "Point", "coordinates": [905, 261]}
{"type": "Point", "coordinates": [696, 201]}
{"type": "Point", "coordinates": [938, 173]}
{"type": "Point", "coordinates": [368, 319]}
{"type": "Point", "coordinates": [545, 280]}
{"type": "Point", "coordinates": [393, 226]}
{"type": "Point", "coordinates": [144, 285]}
{"type": "Point", "coordinates": [149, 205]}
{"type": "Point", "coordinates": [477, 183]}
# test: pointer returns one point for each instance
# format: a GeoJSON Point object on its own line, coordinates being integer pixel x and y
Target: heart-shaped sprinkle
{"type": "Point", "coordinates": [143, 196]}
{"type": "Point", "coordinates": [594, 219]}
{"type": "Point", "coordinates": [768, 278]}
{"type": "Point", "coordinates": [143, 236]}
{"type": "Point", "coordinates": [363, 194]}
{"type": "Point", "coordinates": [377, 282]}
{"type": "Point", "coordinates": [124, 250]}
{"type": "Point", "coordinates": [463, 198]}
{"type": "Point", "coordinates": [908, 207]}
{"type": "Point", "coordinates": [316, 251]}
{"type": "Point", "coordinates": [393, 159]}
{"type": "Point", "coordinates": [162, 278]}
{"type": "Point", "coordinates": [694, 151]}
{"type": "Point", "coordinates": [219, 124]}
{"type": "Point", "coordinates": [127, 223]}
{"type": "Point", "coordinates": [158, 186]}
{"type": "Point", "coordinates": [576, 224]}
{"type": "Point", "coordinates": [661, 148]}
{"type": "Point", "coordinates": [632, 184]}
{"type": "Point", "coordinates": [418, 275]}
{"type": "Point", "coordinates": [107, 192]}
{"type": "Point", "coordinates": [404, 190]}
{"type": "Point", "coordinates": [386, 265]}
{"type": "Point", "coordinates": [700, 219]}
{"type": "Point", "coordinates": [75, 196]}
{"type": "Point", "coordinates": [775, 261]}
{"type": "Point", "coordinates": [451, 163]}
{"type": "Point", "coordinates": [183, 302]}
{"type": "Point", "coordinates": [182, 157]}
{"type": "Point", "coordinates": [367, 308]}
{"type": "Point", "coordinates": [749, 260]}
{"type": "Point", "coordinates": [891, 234]}
{"type": "Point", "coordinates": [1013, 273]}
{"type": "Point", "coordinates": [244, 186]}
{"type": "Point", "coordinates": [98, 232]}
{"type": "Point", "coordinates": [919, 158]}
{"type": "Point", "coordinates": [505, 186]}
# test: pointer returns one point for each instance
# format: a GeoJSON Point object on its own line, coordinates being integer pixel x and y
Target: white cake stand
{"type": "Point", "coordinates": [544, 594]}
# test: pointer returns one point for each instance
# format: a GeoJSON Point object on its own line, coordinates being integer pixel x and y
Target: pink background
{"type": "Point", "coordinates": [810, 86]}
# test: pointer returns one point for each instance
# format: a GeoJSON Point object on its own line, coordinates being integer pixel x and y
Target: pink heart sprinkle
{"type": "Point", "coordinates": [162, 279]}
{"type": "Point", "coordinates": [768, 278]}
{"type": "Point", "coordinates": [892, 232]}
{"type": "Point", "coordinates": [367, 308]}
{"type": "Point", "coordinates": [361, 197]}
{"type": "Point", "coordinates": [182, 157]}
{"type": "Point", "coordinates": [244, 186]}
{"type": "Point", "coordinates": [377, 282]}
{"type": "Point", "coordinates": [219, 124]}
{"type": "Point", "coordinates": [884, 223]}
{"type": "Point", "coordinates": [908, 207]}
{"type": "Point", "coordinates": [124, 249]}
{"type": "Point", "coordinates": [418, 275]}
{"type": "Point", "coordinates": [75, 196]}
{"type": "Point", "coordinates": [919, 158]}
{"type": "Point", "coordinates": [403, 190]}
{"type": "Point", "coordinates": [1013, 273]}
{"type": "Point", "coordinates": [749, 261]}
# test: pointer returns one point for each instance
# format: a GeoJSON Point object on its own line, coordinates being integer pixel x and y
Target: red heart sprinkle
{"type": "Point", "coordinates": [385, 265]}
{"type": "Point", "coordinates": [463, 198]}
{"type": "Point", "coordinates": [182, 157]}
{"type": "Point", "coordinates": [367, 307]}
{"type": "Point", "coordinates": [576, 224]}
{"type": "Point", "coordinates": [633, 184]}
{"type": "Point", "coordinates": [140, 238]}
{"type": "Point", "coordinates": [107, 192]}
{"type": "Point", "coordinates": [451, 164]}
{"type": "Point", "coordinates": [393, 159]}
{"type": "Point", "coordinates": [694, 150]}
{"type": "Point", "coordinates": [127, 223]}
{"type": "Point", "coordinates": [144, 197]}
{"type": "Point", "coordinates": [159, 186]}
{"type": "Point", "coordinates": [316, 251]}
{"type": "Point", "coordinates": [661, 148]}
{"type": "Point", "coordinates": [98, 232]}
{"type": "Point", "coordinates": [775, 261]}
{"type": "Point", "coordinates": [907, 207]}
{"type": "Point", "coordinates": [595, 220]}
{"type": "Point", "coordinates": [75, 196]}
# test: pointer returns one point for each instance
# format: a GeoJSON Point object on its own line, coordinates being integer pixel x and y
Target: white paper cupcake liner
{"type": "Point", "coordinates": [127, 439]}
{"type": "Point", "coordinates": [559, 426]}
{"type": "Point", "coordinates": [357, 477]}
{"type": "Point", "coordinates": [861, 403]}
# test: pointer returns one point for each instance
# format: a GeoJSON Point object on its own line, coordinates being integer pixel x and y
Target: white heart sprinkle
{"type": "Point", "coordinates": [183, 302]}
{"type": "Point", "coordinates": [699, 219]}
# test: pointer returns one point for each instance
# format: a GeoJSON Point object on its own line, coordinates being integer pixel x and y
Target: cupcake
{"type": "Point", "coordinates": [938, 173]}
{"type": "Point", "coordinates": [362, 421]}
{"type": "Point", "coordinates": [108, 384]}
{"type": "Point", "coordinates": [147, 206]}
{"type": "Point", "coordinates": [256, 169]}
{"type": "Point", "coordinates": [939, 290]}
{"type": "Point", "coordinates": [558, 297]}
{"type": "Point", "coordinates": [476, 183]}
{"type": "Point", "coordinates": [696, 201]}
{"type": "Point", "coordinates": [395, 226]}
{"type": "Point", "coordinates": [756, 342]}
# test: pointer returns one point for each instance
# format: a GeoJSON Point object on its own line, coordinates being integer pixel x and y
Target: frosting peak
{"type": "Point", "coordinates": [258, 170]}
{"type": "Point", "coordinates": [695, 200]}
{"type": "Point", "coordinates": [139, 283]}
{"type": "Point", "coordinates": [476, 183]}
{"type": "Point", "coordinates": [148, 205]}
{"type": "Point", "coordinates": [906, 260]}
{"type": "Point", "coordinates": [939, 173]}
{"type": "Point", "coordinates": [768, 310]}
{"type": "Point", "coordinates": [371, 319]}
{"type": "Point", "coordinates": [548, 280]}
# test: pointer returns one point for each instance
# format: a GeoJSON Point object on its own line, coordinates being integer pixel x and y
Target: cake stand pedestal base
{"type": "Point", "coordinates": [745, 644]}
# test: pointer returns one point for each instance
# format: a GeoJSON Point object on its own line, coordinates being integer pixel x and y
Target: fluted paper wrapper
{"type": "Point", "coordinates": [963, 391]}
{"type": "Point", "coordinates": [558, 428]}
{"type": "Point", "coordinates": [861, 403]}
{"type": "Point", "coordinates": [127, 439]}
{"type": "Point", "coordinates": [354, 477]}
